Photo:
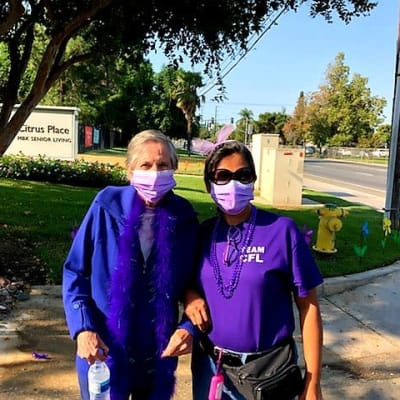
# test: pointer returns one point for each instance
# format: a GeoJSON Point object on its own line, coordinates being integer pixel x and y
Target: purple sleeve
{"type": "Point", "coordinates": [76, 283]}
{"type": "Point", "coordinates": [186, 324]}
{"type": "Point", "coordinates": [306, 274]}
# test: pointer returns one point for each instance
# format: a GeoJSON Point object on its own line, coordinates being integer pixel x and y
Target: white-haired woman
{"type": "Point", "coordinates": [125, 273]}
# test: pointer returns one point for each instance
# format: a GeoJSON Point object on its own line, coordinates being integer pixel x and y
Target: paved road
{"type": "Point", "coordinates": [353, 182]}
{"type": "Point", "coordinates": [371, 176]}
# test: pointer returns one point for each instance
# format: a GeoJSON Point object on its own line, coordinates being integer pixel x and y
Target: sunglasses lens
{"type": "Point", "coordinates": [244, 175]}
{"type": "Point", "coordinates": [222, 176]}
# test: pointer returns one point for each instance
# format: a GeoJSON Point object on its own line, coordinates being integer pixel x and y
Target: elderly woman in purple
{"type": "Point", "coordinates": [128, 267]}
{"type": "Point", "coordinates": [252, 264]}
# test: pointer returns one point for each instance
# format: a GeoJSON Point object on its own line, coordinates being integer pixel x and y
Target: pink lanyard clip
{"type": "Point", "coordinates": [217, 381]}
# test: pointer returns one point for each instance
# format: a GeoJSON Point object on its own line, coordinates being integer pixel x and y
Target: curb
{"type": "Point", "coordinates": [339, 284]}
{"type": "Point", "coordinates": [329, 287]}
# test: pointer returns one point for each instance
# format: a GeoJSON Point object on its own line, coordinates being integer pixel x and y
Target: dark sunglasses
{"type": "Point", "coordinates": [223, 176]}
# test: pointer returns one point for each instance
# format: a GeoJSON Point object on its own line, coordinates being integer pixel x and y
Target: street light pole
{"type": "Point", "coordinates": [246, 130]}
{"type": "Point", "coordinates": [392, 203]}
{"type": "Point", "coordinates": [215, 120]}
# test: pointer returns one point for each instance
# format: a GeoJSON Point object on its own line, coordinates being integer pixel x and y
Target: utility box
{"type": "Point", "coordinates": [279, 170]}
{"type": "Point", "coordinates": [259, 143]}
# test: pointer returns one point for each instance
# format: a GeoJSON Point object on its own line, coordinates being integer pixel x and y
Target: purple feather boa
{"type": "Point", "coordinates": [127, 286]}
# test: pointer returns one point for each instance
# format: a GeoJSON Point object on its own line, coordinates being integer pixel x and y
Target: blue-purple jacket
{"type": "Point", "coordinates": [94, 254]}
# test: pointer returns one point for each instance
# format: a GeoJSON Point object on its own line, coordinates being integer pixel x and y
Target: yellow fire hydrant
{"type": "Point", "coordinates": [329, 224]}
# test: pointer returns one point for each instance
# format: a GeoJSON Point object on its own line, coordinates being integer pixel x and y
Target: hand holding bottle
{"type": "Point", "coordinates": [91, 346]}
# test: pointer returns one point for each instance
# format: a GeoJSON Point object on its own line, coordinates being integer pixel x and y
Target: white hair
{"type": "Point", "coordinates": [153, 135]}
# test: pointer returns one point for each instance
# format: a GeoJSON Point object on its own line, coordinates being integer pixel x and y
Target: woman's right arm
{"type": "Point", "coordinates": [77, 289]}
{"type": "Point", "coordinates": [76, 282]}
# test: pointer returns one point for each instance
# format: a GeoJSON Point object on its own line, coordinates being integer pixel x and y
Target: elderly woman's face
{"type": "Point", "coordinates": [152, 156]}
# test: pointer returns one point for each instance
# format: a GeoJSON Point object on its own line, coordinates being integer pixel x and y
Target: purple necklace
{"type": "Point", "coordinates": [227, 289]}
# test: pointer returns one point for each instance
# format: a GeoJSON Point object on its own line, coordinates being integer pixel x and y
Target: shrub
{"type": "Point", "coordinates": [76, 173]}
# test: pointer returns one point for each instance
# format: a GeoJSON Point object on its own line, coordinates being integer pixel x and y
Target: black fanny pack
{"type": "Point", "coordinates": [272, 375]}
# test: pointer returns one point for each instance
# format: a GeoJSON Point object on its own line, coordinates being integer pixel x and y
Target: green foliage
{"type": "Point", "coordinates": [43, 215]}
{"type": "Point", "coordinates": [346, 261]}
{"type": "Point", "coordinates": [77, 173]}
{"type": "Point", "coordinates": [296, 128]}
{"type": "Point", "coordinates": [129, 98]}
{"type": "Point", "coordinates": [242, 125]}
{"type": "Point", "coordinates": [184, 88]}
{"type": "Point", "coordinates": [271, 122]}
{"type": "Point", "coordinates": [343, 109]}
{"type": "Point", "coordinates": [44, 39]}
{"type": "Point", "coordinates": [381, 136]}
{"type": "Point", "coordinates": [361, 248]}
{"type": "Point", "coordinates": [166, 115]}
{"type": "Point", "coordinates": [4, 68]}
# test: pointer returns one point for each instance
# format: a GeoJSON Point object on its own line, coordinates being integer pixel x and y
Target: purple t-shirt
{"type": "Point", "coordinates": [276, 264]}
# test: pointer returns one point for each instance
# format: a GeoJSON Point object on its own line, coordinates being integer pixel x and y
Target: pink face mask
{"type": "Point", "coordinates": [233, 197]}
{"type": "Point", "coordinates": [153, 185]}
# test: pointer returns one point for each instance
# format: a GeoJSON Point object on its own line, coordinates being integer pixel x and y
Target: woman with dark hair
{"type": "Point", "coordinates": [252, 264]}
{"type": "Point", "coordinates": [127, 268]}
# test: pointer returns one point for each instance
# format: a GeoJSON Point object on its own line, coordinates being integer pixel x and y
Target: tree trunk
{"type": "Point", "coordinates": [48, 72]}
{"type": "Point", "coordinates": [189, 135]}
{"type": "Point", "coordinates": [39, 88]}
{"type": "Point", "coordinates": [16, 122]}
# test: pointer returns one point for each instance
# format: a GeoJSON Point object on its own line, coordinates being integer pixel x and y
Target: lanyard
{"type": "Point", "coordinates": [217, 381]}
{"type": "Point", "coordinates": [218, 364]}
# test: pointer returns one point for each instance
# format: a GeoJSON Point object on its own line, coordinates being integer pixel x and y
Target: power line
{"type": "Point", "coordinates": [251, 46]}
{"type": "Point", "coordinates": [228, 103]}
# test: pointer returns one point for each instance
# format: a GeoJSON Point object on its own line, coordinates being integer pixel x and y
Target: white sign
{"type": "Point", "coordinates": [51, 132]}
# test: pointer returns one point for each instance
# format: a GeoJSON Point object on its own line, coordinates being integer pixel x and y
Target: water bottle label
{"type": "Point", "coordinates": [99, 387]}
{"type": "Point", "coordinates": [104, 386]}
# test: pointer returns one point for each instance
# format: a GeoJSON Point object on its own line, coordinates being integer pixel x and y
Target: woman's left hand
{"type": "Point", "coordinates": [180, 343]}
{"type": "Point", "coordinates": [312, 391]}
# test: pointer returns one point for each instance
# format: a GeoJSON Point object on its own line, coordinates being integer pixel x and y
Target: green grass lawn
{"type": "Point", "coordinates": [44, 214]}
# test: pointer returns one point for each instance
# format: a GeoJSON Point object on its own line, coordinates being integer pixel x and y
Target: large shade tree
{"type": "Point", "coordinates": [297, 127]}
{"type": "Point", "coordinates": [272, 122]}
{"type": "Point", "coordinates": [317, 111]}
{"type": "Point", "coordinates": [205, 31]}
{"type": "Point", "coordinates": [350, 111]}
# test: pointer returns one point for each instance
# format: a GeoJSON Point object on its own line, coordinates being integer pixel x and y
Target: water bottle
{"type": "Point", "coordinates": [99, 381]}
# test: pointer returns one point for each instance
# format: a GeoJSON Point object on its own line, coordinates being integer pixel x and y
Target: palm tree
{"type": "Point", "coordinates": [184, 92]}
{"type": "Point", "coordinates": [246, 116]}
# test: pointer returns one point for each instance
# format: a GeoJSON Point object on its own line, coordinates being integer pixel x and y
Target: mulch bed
{"type": "Point", "coordinates": [19, 269]}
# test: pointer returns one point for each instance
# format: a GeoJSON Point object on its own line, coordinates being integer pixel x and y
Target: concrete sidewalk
{"type": "Point", "coordinates": [362, 335]}
{"type": "Point", "coordinates": [361, 343]}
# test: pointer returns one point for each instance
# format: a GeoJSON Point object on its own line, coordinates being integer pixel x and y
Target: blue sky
{"type": "Point", "coordinates": [293, 56]}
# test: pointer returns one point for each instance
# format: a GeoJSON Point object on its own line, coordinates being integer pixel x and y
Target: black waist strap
{"type": "Point", "coordinates": [230, 358]}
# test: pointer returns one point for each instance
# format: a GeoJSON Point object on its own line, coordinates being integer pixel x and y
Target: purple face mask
{"type": "Point", "coordinates": [153, 185]}
{"type": "Point", "coordinates": [233, 197]}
